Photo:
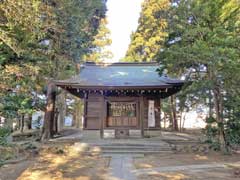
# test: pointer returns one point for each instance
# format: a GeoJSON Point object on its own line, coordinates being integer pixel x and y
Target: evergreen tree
{"type": "Point", "coordinates": [41, 40]}
{"type": "Point", "coordinates": [204, 39]}
{"type": "Point", "coordinates": [151, 32]}
{"type": "Point", "coordinates": [99, 51]}
{"type": "Point", "coordinates": [199, 40]}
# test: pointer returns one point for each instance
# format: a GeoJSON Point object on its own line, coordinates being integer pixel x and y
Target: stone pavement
{"type": "Point", "coordinates": [121, 167]}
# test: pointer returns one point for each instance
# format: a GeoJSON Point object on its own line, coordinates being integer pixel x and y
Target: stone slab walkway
{"type": "Point", "coordinates": [121, 167]}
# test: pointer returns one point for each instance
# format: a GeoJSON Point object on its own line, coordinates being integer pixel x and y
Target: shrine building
{"type": "Point", "coordinates": [122, 97]}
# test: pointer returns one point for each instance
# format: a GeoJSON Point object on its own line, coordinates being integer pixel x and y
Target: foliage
{"type": "Point", "coordinates": [4, 133]}
{"type": "Point", "coordinates": [41, 40]}
{"type": "Point", "coordinates": [203, 43]}
{"type": "Point", "coordinates": [99, 52]}
{"type": "Point", "coordinates": [151, 32]}
{"type": "Point", "coordinates": [198, 40]}
{"type": "Point", "coordinates": [20, 24]}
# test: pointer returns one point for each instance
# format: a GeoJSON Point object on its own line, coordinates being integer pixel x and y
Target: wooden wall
{"type": "Point", "coordinates": [95, 107]}
{"type": "Point", "coordinates": [93, 110]}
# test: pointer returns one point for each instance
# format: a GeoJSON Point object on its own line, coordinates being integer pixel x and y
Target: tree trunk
{"type": "Point", "coordinates": [18, 122]}
{"type": "Point", "coordinates": [160, 113]}
{"type": "Point", "coordinates": [55, 121]}
{"type": "Point", "coordinates": [29, 121]}
{"type": "Point", "coordinates": [173, 112]}
{"type": "Point", "coordinates": [48, 131]}
{"type": "Point", "coordinates": [218, 107]}
{"type": "Point", "coordinates": [74, 118]}
{"type": "Point", "coordinates": [219, 117]}
{"type": "Point", "coordinates": [180, 123]}
{"type": "Point", "coordinates": [210, 104]}
{"type": "Point", "coordinates": [79, 113]}
{"type": "Point", "coordinates": [62, 108]}
{"type": "Point", "coordinates": [164, 119]}
{"type": "Point", "coordinates": [170, 115]}
{"type": "Point", "coordinates": [22, 123]}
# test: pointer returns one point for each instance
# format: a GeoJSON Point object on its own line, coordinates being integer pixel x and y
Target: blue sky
{"type": "Point", "coordinates": [122, 18]}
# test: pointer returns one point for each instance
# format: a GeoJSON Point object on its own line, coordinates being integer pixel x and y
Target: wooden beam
{"type": "Point", "coordinates": [141, 115]}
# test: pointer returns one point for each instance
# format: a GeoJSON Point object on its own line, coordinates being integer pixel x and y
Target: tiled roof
{"type": "Point", "coordinates": [120, 75]}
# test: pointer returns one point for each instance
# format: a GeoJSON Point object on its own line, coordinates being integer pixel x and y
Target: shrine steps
{"type": "Point", "coordinates": [133, 148]}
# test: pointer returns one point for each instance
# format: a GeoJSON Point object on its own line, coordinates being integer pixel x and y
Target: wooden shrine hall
{"type": "Point", "coordinates": [121, 96]}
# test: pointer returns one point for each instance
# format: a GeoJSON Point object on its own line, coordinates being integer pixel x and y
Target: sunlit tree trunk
{"type": "Point", "coordinates": [218, 107]}
{"type": "Point", "coordinates": [48, 131]}
{"type": "Point", "coordinates": [164, 120]}
{"type": "Point", "coordinates": [27, 122]}
{"type": "Point", "coordinates": [61, 110]}
{"type": "Point", "coordinates": [78, 117]}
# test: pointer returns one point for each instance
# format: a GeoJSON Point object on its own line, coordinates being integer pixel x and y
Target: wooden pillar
{"type": "Point", "coordinates": [141, 116]}
{"type": "Point", "coordinates": [102, 117]}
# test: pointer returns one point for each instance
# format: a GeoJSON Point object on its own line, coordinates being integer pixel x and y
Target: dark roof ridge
{"type": "Point", "coordinates": [91, 63]}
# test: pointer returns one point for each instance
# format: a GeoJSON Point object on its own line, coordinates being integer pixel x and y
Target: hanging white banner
{"type": "Point", "coordinates": [151, 114]}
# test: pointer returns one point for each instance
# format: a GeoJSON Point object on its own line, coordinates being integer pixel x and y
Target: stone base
{"type": "Point", "coordinates": [152, 133]}
{"type": "Point", "coordinates": [121, 133]}
{"type": "Point", "coordinates": [111, 133]}
{"type": "Point", "coordinates": [135, 133]}
{"type": "Point", "coordinates": [91, 134]}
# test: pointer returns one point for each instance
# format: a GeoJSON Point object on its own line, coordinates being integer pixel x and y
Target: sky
{"type": "Point", "coordinates": [122, 18]}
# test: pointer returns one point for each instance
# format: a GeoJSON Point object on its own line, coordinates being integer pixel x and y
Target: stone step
{"type": "Point", "coordinates": [130, 144]}
{"type": "Point", "coordinates": [134, 147]}
{"type": "Point", "coordinates": [135, 152]}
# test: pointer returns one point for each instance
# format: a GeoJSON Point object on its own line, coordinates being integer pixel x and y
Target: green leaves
{"type": "Point", "coordinates": [99, 52]}
{"type": "Point", "coordinates": [41, 40]}
{"type": "Point", "coordinates": [148, 40]}
{"type": "Point", "coordinates": [200, 40]}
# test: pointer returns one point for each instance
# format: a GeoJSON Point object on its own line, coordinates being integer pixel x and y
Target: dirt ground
{"type": "Point", "coordinates": [162, 160]}
{"type": "Point", "coordinates": [210, 174]}
{"type": "Point", "coordinates": [230, 172]}
{"type": "Point", "coordinates": [58, 162]}
{"type": "Point", "coordinates": [65, 161]}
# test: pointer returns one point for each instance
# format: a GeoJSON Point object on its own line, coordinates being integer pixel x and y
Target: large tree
{"type": "Point", "coordinates": [40, 41]}
{"type": "Point", "coordinates": [198, 40]}
{"type": "Point", "coordinates": [204, 39]}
